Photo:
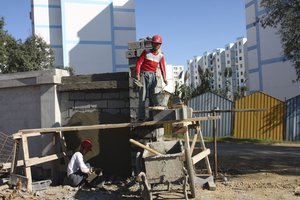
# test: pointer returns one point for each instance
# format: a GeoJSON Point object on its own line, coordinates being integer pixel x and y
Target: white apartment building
{"type": "Point", "coordinates": [269, 71]}
{"type": "Point", "coordinates": [192, 68]}
{"type": "Point", "coordinates": [227, 66]}
{"type": "Point", "coordinates": [90, 36]}
{"type": "Point", "coordinates": [172, 73]}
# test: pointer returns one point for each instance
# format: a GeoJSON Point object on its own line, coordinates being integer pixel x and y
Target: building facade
{"type": "Point", "coordinates": [227, 67]}
{"type": "Point", "coordinates": [269, 71]}
{"type": "Point", "coordinates": [174, 77]}
{"type": "Point", "coordinates": [91, 36]}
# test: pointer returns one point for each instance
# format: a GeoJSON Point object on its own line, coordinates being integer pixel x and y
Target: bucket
{"type": "Point", "coordinates": [161, 99]}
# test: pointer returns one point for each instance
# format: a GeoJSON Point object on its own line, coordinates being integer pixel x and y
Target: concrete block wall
{"type": "Point", "coordinates": [99, 99]}
{"type": "Point", "coordinates": [29, 100]}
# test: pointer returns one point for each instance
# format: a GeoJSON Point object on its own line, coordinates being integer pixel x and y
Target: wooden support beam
{"type": "Point", "coordinates": [38, 160]}
{"type": "Point", "coordinates": [8, 165]}
{"type": "Point", "coordinates": [194, 143]}
{"type": "Point", "coordinates": [63, 146]}
{"type": "Point", "coordinates": [31, 134]}
{"type": "Point", "coordinates": [26, 157]}
{"type": "Point", "coordinates": [200, 156]}
{"type": "Point", "coordinates": [14, 161]}
{"type": "Point", "coordinates": [110, 126]}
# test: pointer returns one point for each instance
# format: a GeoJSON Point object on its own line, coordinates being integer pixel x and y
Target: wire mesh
{"type": "Point", "coordinates": [6, 147]}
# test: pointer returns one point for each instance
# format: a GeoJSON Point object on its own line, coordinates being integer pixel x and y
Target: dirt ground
{"type": "Point", "coordinates": [246, 171]}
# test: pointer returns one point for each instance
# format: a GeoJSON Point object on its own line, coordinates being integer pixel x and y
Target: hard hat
{"type": "Point", "coordinates": [157, 39]}
{"type": "Point", "coordinates": [86, 144]}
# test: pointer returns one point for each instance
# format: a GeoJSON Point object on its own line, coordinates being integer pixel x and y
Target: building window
{"type": "Point", "coordinates": [241, 65]}
{"type": "Point", "coordinates": [240, 50]}
{"type": "Point", "coordinates": [240, 58]}
{"type": "Point", "coordinates": [228, 61]}
{"type": "Point", "coordinates": [242, 73]}
{"type": "Point", "coordinates": [227, 55]}
{"type": "Point", "coordinates": [240, 43]}
{"type": "Point", "coordinates": [242, 80]}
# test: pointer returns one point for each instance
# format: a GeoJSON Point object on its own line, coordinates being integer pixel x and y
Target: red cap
{"type": "Point", "coordinates": [157, 39]}
{"type": "Point", "coordinates": [86, 144]}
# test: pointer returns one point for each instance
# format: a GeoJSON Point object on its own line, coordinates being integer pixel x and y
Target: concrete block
{"type": "Point", "coordinates": [116, 104]}
{"type": "Point", "coordinates": [164, 115]}
{"type": "Point", "coordinates": [139, 52]}
{"type": "Point", "coordinates": [146, 44]}
{"type": "Point", "coordinates": [111, 95]}
{"type": "Point", "coordinates": [183, 113]}
{"type": "Point", "coordinates": [134, 45]}
{"type": "Point", "coordinates": [76, 96]}
{"type": "Point", "coordinates": [130, 54]}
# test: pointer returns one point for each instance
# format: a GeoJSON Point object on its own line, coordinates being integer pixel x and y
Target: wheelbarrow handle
{"type": "Point", "coordinates": [144, 147]}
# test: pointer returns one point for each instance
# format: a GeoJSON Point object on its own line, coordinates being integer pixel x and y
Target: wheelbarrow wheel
{"type": "Point", "coordinates": [191, 172]}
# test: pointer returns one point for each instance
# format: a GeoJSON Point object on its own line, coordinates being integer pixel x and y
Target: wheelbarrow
{"type": "Point", "coordinates": [166, 168]}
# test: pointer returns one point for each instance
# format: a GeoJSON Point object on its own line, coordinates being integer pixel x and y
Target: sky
{"type": "Point", "coordinates": [188, 28]}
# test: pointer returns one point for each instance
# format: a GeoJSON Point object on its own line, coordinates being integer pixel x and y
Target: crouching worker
{"type": "Point", "coordinates": [78, 171]}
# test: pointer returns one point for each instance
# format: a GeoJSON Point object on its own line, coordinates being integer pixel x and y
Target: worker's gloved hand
{"type": "Point", "coordinates": [92, 170]}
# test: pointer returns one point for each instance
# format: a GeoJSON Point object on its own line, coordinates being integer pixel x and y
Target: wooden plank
{"type": "Point", "coordinates": [38, 160]}
{"type": "Point", "coordinates": [200, 156]}
{"type": "Point", "coordinates": [14, 157]}
{"type": "Point", "coordinates": [26, 157]}
{"type": "Point", "coordinates": [120, 125]}
{"type": "Point", "coordinates": [203, 147]}
{"type": "Point", "coordinates": [63, 146]}
{"type": "Point", "coordinates": [19, 135]}
{"type": "Point", "coordinates": [8, 165]}
{"type": "Point", "coordinates": [194, 143]}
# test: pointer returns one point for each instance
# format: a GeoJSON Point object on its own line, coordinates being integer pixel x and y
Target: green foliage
{"type": "Point", "coordinates": [240, 92]}
{"type": "Point", "coordinates": [285, 15]}
{"type": "Point", "coordinates": [205, 80]}
{"type": "Point", "coordinates": [15, 56]}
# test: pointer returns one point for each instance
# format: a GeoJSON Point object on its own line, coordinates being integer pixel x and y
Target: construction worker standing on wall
{"type": "Point", "coordinates": [145, 72]}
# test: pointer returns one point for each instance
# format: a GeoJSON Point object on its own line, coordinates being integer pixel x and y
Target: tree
{"type": "Point", "coordinates": [15, 56]}
{"type": "Point", "coordinates": [285, 15]}
{"type": "Point", "coordinates": [205, 77]}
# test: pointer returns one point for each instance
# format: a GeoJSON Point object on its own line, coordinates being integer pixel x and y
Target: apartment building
{"type": "Point", "coordinates": [91, 36]}
{"type": "Point", "coordinates": [269, 71]}
{"type": "Point", "coordinates": [192, 68]}
{"type": "Point", "coordinates": [173, 76]}
{"type": "Point", "coordinates": [227, 67]}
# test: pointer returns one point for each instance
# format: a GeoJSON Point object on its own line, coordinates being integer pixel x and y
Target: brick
{"type": "Point", "coordinates": [76, 95]}
{"type": "Point", "coordinates": [130, 54]}
{"type": "Point", "coordinates": [134, 45]}
{"type": "Point", "coordinates": [111, 95]}
{"type": "Point", "coordinates": [116, 104]}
